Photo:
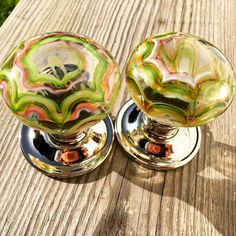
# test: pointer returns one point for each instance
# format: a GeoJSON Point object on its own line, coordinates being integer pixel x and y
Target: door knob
{"type": "Point", "coordinates": [62, 86]}
{"type": "Point", "coordinates": [177, 83]}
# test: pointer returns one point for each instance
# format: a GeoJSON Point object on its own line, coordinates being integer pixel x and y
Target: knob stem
{"type": "Point", "coordinates": [69, 141]}
{"type": "Point", "coordinates": [157, 131]}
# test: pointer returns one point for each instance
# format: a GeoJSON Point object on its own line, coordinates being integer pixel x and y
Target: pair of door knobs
{"type": "Point", "coordinates": [62, 87]}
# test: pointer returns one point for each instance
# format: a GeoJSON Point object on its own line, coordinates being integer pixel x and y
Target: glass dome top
{"type": "Point", "coordinates": [60, 83]}
{"type": "Point", "coordinates": [180, 80]}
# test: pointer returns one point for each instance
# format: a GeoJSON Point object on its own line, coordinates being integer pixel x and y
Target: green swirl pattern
{"type": "Point", "coordinates": [180, 80]}
{"type": "Point", "coordinates": [60, 83]}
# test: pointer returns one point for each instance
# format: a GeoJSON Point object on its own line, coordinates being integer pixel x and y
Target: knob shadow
{"type": "Point", "coordinates": [204, 171]}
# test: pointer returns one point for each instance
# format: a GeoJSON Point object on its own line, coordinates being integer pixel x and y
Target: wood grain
{"type": "Point", "coordinates": [120, 197]}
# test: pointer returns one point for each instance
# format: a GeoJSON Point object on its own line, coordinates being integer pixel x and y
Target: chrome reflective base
{"type": "Point", "coordinates": [161, 148]}
{"type": "Point", "coordinates": [68, 157]}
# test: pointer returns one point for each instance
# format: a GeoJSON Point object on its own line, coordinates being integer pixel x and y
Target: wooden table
{"type": "Point", "coordinates": [120, 197]}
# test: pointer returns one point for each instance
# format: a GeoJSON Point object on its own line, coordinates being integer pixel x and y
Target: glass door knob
{"type": "Point", "coordinates": [62, 86]}
{"type": "Point", "coordinates": [177, 83]}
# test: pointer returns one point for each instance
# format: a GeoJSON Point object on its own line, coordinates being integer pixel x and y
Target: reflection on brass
{"type": "Point", "coordinates": [42, 165]}
{"type": "Point", "coordinates": [70, 156]}
{"type": "Point", "coordinates": [159, 149]}
{"type": "Point", "coordinates": [154, 145]}
{"type": "Point", "coordinates": [67, 157]}
{"type": "Point", "coordinates": [97, 137]}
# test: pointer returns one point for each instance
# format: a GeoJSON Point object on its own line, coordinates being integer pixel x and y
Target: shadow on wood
{"type": "Point", "coordinates": [205, 175]}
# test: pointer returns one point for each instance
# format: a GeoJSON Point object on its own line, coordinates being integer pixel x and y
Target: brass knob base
{"type": "Point", "coordinates": [166, 149]}
{"type": "Point", "coordinates": [64, 160]}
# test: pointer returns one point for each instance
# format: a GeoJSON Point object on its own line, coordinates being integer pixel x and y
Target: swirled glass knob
{"type": "Point", "coordinates": [176, 80]}
{"type": "Point", "coordinates": [63, 87]}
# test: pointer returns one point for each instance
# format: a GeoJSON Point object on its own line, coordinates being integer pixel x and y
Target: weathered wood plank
{"type": "Point", "coordinates": [120, 197]}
